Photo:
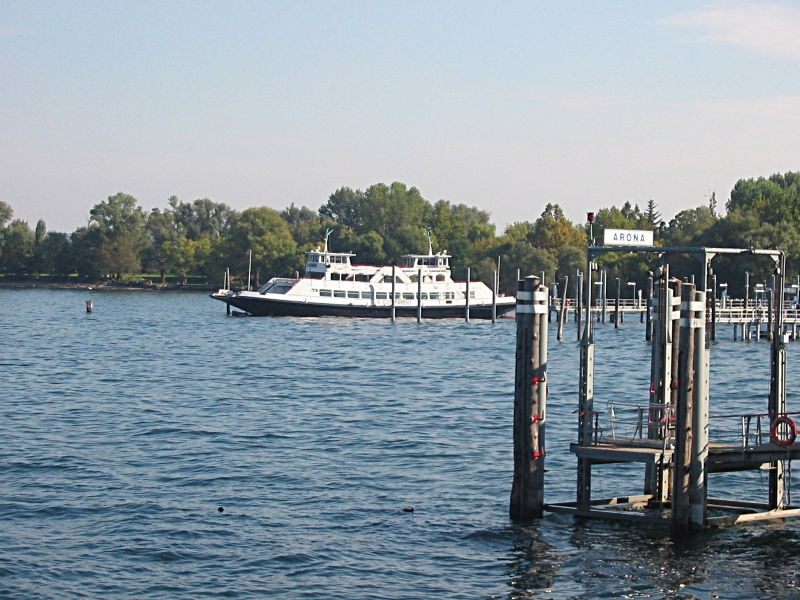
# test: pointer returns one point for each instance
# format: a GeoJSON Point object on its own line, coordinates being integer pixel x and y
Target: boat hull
{"type": "Point", "coordinates": [265, 307]}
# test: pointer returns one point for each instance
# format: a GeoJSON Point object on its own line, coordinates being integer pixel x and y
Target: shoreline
{"type": "Point", "coordinates": [94, 287]}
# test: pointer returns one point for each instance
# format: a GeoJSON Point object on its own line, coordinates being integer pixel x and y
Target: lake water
{"type": "Point", "coordinates": [123, 431]}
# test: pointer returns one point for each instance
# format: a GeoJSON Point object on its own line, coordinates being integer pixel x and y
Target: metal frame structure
{"type": "Point", "coordinates": [676, 451]}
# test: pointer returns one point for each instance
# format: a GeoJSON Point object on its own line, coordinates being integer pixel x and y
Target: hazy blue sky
{"type": "Point", "coordinates": [503, 105]}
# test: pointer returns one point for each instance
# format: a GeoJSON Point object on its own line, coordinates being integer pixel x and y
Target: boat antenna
{"type": "Point", "coordinates": [430, 243]}
{"type": "Point", "coordinates": [328, 232]}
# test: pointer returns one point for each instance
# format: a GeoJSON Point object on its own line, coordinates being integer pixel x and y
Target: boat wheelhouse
{"type": "Point", "coordinates": [334, 286]}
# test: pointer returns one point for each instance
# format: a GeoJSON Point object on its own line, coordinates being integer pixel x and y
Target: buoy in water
{"type": "Point", "coordinates": [220, 509]}
{"type": "Point", "coordinates": [408, 510]}
{"type": "Point", "coordinates": [89, 306]}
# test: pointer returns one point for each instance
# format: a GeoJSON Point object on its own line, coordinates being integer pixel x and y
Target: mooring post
{"type": "Point", "coordinates": [527, 491]}
{"type": "Point", "coordinates": [714, 308]}
{"type": "Point", "coordinates": [684, 411]}
{"type": "Point", "coordinates": [494, 296]}
{"type": "Point", "coordinates": [777, 388]}
{"type": "Point", "coordinates": [616, 307]}
{"type": "Point", "coordinates": [579, 303]}
{"type": "Point", "coordinates": [586, 405]}
{"type": "Point", "coordinates": [563, 312]}
{"type": "Point", "coordinates": [770, 305]}
{"type": "Point", "coordinates": [466, 298]}
{"type": "Point", "coordinates": [648, 331]}
{"type": "Point", "coordinates": [603, 294]}
{"type": "Point", "coordinates": [419, 296]}
{"type": "Point", "coordinates": [90, 306]}
{"type": "Point", "coordinates": [698, 491]}
{"type": "Point", "coordinates": [394, 279]}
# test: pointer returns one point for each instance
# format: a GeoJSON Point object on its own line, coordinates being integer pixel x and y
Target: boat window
{"type": "Point", "coordinates": [314, 275]}
{"type": "Point", "coordinates": [434, 295]}
{"type": "Point", "coordinates": [414, 278]}
{"type": "Point", "coordinates": [449, 295]}
{"type": "Point", "coordinates": [381, 295]}
{"type": "Point", "coordinates": [352, 294]}
{"type": "Point", "coordinates": [366, 295]}
{"type": "Point", "coordinates": [472, 293]}
{"type": "Point", "coordinates": [350, 277]}
{"type": "Point", "coordinates": [424, 296]}
{"type": "Point", "coordinates": [440, 278]}
{"type": "Point", "coordinates": [397, 295]}
{"type": "Point", "coordinates": [324, 292]}
{"type": "Point", "coordinates": [407, 296]}
{"type": "Point", "coordinates": [338, 293]}
{"type": "Point", "coordinates": [361, 277]}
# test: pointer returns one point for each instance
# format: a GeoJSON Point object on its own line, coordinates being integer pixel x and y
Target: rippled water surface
{"type": "Point", "coordinates": [123, 432]}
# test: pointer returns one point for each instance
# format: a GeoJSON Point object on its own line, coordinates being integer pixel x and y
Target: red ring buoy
{"type": "Point", "coordinates": [775, 434]}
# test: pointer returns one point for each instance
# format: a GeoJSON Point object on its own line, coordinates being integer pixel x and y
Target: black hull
{"type": "Point", "coordinates": [271, 308]}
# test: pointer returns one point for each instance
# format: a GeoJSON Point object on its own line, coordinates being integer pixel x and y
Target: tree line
{"type": "Point", "coordinates": [381, 223]}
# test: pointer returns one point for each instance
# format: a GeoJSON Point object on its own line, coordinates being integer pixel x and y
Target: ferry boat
{"type": "Point", "coordinates": [334, 286]}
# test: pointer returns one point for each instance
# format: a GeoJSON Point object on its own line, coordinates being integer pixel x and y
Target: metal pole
{"type": "Point", "coordinates": [586, 403]}
{"type": "Point", "coordinates": [616, 307]}
{"type": "Point", "coordinates": [648, 332]}
{"type": "Point", "coordinates": [419, 296]}
{"type": "Point", "coordinates": [494, 296]}
{"type": "Point", "coordinates": [394, 279]}
{"type": "Point", "coordinates": [466, 298]}
{"type": "Point", "coordinates": [714, 308]}
{"type": "Point", "coordinates": [777, 391]}
{"type": "Point", "coordinates": [578, 303]}
{"type": "Point", "coordinates": [249, 268]}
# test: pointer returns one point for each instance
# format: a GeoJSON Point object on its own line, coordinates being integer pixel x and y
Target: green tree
{"type": "Point", "coordinates": [121, 226]}
{"type": "Point", "coordinates": [263, 231]}
{"type": "Point", "coordinates": [18, 247]}
{"type": "Point", "coordinates": [346, 206]}
{"type": "Point", "coordinates": [56, 254]}
{"type": "Point", "coordinates": [652, 215]}
{"type": "Point", "coordinates": [772, 200]}
{"type": "Point", "coordinates": [553, 231]}
{"type": "Point", "coordinates": [6, 214]}
{"type": "Point", "coordinates": [686, 227]}
{"type": "Point", "coordinates": [163, 231]}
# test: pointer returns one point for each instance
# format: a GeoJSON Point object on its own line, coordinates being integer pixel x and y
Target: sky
{"type": "Point", "coordinates": [506, 106]}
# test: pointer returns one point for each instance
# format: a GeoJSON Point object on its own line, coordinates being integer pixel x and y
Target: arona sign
{"type": "Point", "coordinates": [627, 237]}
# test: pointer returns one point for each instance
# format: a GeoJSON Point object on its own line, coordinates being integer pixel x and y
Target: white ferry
{"type": "Point", "coordinates": [333, 286]}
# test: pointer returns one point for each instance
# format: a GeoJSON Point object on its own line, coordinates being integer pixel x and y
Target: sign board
{"type": "Point", "coordinates": [627, 237]}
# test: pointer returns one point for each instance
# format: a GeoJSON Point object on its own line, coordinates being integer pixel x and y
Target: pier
{"type": "Point", "coordinates": [677, 438]}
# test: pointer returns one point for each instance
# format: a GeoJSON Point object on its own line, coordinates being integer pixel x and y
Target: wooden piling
{"type": "Point", "coordinates": [578, 303]}
{"type": "Point", "coordinates": [684, 415]}
{"type": "Point", "coordinates": [394, 280]}
{"type": "Point", "coordinates": [494, 296]}
{"type": "Point", "coordinates": [699, 472]}
{"type": "Point", "coordinates": [527, 492]}
{"type": "Point", "coordinates": [419, 296]}
{"type": "Point", "coordinates": [562, 317]}
{"type": "Point", "coordinates": [713, 308]}
{"type": "Point", "coordinates": [89, 306]}
{"type": "Point", "coordinates": [648, 332]}
{"type": "Point", "coordinates": [466, 298]}
{"type": "Point", "coordinates": [616, 306]}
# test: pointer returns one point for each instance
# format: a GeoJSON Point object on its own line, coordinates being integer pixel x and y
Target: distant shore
{"type": "Point", "coordinates": [27, 285]}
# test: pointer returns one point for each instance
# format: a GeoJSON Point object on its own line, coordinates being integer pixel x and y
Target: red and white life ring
{"type": "Point", "coordinates": [776, 435]}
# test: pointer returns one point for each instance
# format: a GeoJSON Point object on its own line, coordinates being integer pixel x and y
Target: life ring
{"type": "Point", "coordinates": [775, 434]}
